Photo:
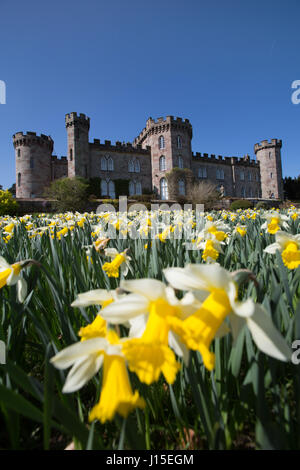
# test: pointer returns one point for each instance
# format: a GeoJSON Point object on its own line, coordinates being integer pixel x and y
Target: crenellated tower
{"type": "Point", "coordinates": [78, 145]}
{"type": "Point", "coordinates": [268, 154]}
{"type": "Point", "coordinates": [170, 142]}
{"type": "Point", "coordinates": [33, 163]}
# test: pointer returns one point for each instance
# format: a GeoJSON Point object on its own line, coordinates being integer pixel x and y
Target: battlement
{"type": "Point", "coordinates": [72, 118]}
{"type": "Point", "coordinates": [161, 125]}
{"type": "Point", "coordinates": [31, 138]}
{"type": "Point", "coordinates": [59, 161]}
{"type": "Point", "coordinates": [266, 144]}
{"type": "Point", "coordinates": [120, 147]}
{"type": "Point", "coordinates": [243, 161]}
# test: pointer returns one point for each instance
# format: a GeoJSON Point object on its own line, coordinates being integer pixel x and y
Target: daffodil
{"type": "Point", "coordinates": [119, 260]}
{"type": "Point", "coordinates": [274, 222]}
{"type": "Point", "coordinates": [86, 358]}
{"type": "Point", "coordinates": [198, 330]}
{"type": "Point", "coordinates": [148, 309]}
{"type": "Point", "coordinates": [289, 247]}
{"type": "Point", "coordinates": [10, 275]}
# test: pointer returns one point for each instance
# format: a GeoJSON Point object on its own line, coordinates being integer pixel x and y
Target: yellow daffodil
{"type": "Point", "coordinates": [289, 247]}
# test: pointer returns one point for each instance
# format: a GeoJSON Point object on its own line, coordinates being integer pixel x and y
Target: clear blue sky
{"type": "Point", "coordinates": [227, 66]}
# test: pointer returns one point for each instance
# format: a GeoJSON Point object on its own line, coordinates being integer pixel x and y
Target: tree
{"type": "Point", "coordinates": [68, 194]}
{"type": "Point", "coordinates": [8, 205]}
{"type": "Point", "coordinates": [204, 192]}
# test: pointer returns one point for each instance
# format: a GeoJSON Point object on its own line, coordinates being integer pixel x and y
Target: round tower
{"type": "Point", "coordinates": [78, 145]}
{"type": "Point", "coordinates": [33, 164]}
{"type": "Point", "coordinates": [268, 154]}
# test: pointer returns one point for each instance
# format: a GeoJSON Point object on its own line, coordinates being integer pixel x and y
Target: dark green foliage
{"type": "Point", "coordinates": [68, 194]}
{"type": "Point", "coordinates": [240, 204]}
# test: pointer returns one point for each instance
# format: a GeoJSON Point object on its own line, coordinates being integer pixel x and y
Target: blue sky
{"type": "Point", "coordinates": [226, 66]}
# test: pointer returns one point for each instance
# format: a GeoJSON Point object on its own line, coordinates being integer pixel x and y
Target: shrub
{"type": "Point", "coordinates": [8, 205]}
{"type": "Point", "coordinates": [240, 204]}
{"type": "Point", "coordinates": [68, 194]}
{"type": "Point", "coordinates": [261, 205]}
{"type": "Point", "coordinates": [205, 193]}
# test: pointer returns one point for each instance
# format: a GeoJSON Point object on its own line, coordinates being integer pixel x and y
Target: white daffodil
{"type": "Point", "coordinates": [86, 358]}
{"type": "Point", "coordinates": [149, 308]}
{"type": "Point", "coordinates": [120, 261]}
{"type": "Point", "coordinates": [10, 275]}
{"type": "Point", "coordinates": [198, 330]}
{"type": "Point", "coordinates": [274, 222]}
{"type": "Point", "coordinates": [95, 297]}
{"type": "Point", "coordinates": [289, 247]}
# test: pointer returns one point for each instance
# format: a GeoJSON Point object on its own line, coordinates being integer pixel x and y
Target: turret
{"type": "Point", "coordinates": [33, 164]}
{"type": "Point", "coordinates": [170, 142]}
{"type": "Point", "coordinates": [78, 145]}
{"type": "Point", "coordinates": [268, 154]}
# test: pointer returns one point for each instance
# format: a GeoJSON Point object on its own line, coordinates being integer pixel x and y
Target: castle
{"type": "Point", "coordinates": [162, 145]}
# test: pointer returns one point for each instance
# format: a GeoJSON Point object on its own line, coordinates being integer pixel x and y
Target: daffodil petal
{"type": "Point", "coordinates": [82, 371]}
{"type": "Point", "coordinates": [266, 336]}
{"type": "Point", "coordinates": [71, 354]}
{"type": "Point", "coordinates": [126, 308]}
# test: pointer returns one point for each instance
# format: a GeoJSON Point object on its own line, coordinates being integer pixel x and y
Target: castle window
{"type": "Point", "coordinates": [270, 155]}
{"type": "Point", "coordinates": [103, 164]}
{"type": "Point", "coordinates": [220, 174]}
{"type": "Point", "coordinates": [180, 162]}
{"type": "Point", "coordinates": [111, 189]}
{"type": "Point", "coordinates": [271, 176]}
{"type": "Point", "coordinates": [181, 187]}
{"type": "Point", "coordinates": [242, 175]}
{"type": "Point", "coordinates": [250, 192]}
{"type": "Point", "coordinates": [162, 163]}
{"type": "Point", "coordinates": [31, 163]}
{"type": "Point", "coordinates": [19, 179]}
{"type": "Point", "coordinates": [108, 188]}
{"type": "Point", "coordinates": [137, 166]}
{"type": "Point", "coordinates": [179, 142]}
{"type": "Point", "coordinates": [164, 189]}
{"type": "Point", "coordinates": [138, 188]}
{"type": "Point", "coordinates": [131, 188]}
{"type": "Point", "coordinates": [71, 154]}
{"type": "Point", "coordinates": [243, 191]}
{"type": "Point", "coordinates": [19, 152]}
{"type": "Point", "coordinates": [161, 142]}
{"type": "Point", "coordinates": [250, 176]}
{"type": "Point", "coordinates": [104, 188]}
{"type": "Point", "coordinates": [110, 164]}
{"type": "Point", "coordinates": [131, 166]}
{"type": "Point", "coordinates": [256, 177]}
{"type": "Point", "coordinates": [202, 173]}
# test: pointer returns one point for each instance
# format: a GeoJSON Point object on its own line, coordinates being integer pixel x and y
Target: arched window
{"type": "Point", "coordinates": [131, 166]}
{"type": "Point", "coordinates": [179, 142]}
{"type": "Point", "coordinates": [31, 163]}
{"type": "Point", "coordinates": [242, 176]}
{"type": "Point", "coordinates": [111, 189]}
{"type": "Point", "coordinates": [19, 179]}
{"type": "Point", "coordinates": [138, 188]}
{"type": "Point", "coordinates": [71, 154]}
{"type": "Point", "coordinates": [137, 166]}
{"type": "Point", "coordinates": [19, 152]}
{"type": "Point", "coordinates": [271, 175]}
{"type": "Point", "coordinates": [181, 187]}
{"type": "Point", "coordinates": [202, 173]}
{"type": "Point", "coordinates": [103, 164]}
{"type": "Point", "coordinates": [250, 192]}
{"type": "Point", "coordinates": [180, 161]}
{"type": "Point", "coordinates": [257, 177]}
{"type": "Point", "coordinates": [104, 188]}
{"type": "Point", "coordinates": [164, 189]}
{"type": "Point", "coordinates": [161, 142]}
{"type": "Point", "coordinates": [162, 163]}
{"type": "Point", "coordinates": [131, 188]}
{"type": "Point", "coordinates": [250, 176]}
{"type": "Point", "coordinates": [243, 191]}
{"type": "Point", "coordinates": [110, 164]}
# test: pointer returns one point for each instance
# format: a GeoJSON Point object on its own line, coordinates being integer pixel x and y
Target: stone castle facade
{"type": "Point", "coordinates": [162, 145]}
